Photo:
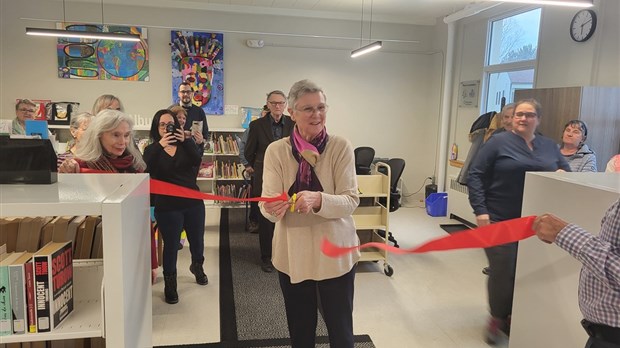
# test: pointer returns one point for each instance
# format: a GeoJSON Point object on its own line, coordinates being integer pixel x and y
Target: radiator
{"type": "Point", "coordinates": [458, 202]}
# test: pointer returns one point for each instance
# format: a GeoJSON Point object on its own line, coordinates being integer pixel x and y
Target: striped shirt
{"type": "Point", "coordinates": [599, 282]}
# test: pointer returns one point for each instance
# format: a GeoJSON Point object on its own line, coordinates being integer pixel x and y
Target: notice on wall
{"type": "Point", "coordinates": [469, 94]}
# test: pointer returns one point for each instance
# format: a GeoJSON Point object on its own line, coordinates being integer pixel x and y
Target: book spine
{"type": "Point", "coordinates": [30, 297]}
{"type": "Point", "coordinates": [18, 298]}
{"type": "Point", "coordinates": [61, 270]}
{"type": "Point", "coordinates": [42, 290]}
{"type": "Point", "coordinates": [6, 315]}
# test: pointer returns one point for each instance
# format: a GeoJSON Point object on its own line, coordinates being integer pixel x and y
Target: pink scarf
{"type": "Point", "coordinates": [307, 155]}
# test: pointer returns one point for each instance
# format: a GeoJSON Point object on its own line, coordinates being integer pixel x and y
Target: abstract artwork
{"type": "Point", "coordinates": [94, 59]}
{"type": "Point", "coordinates": [198, 58]}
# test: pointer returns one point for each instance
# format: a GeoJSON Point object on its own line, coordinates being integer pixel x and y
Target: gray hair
{"type": "Point", "coordinates": [508, 107]}
{"type": "Point", "coordinates": [90, 149]}
{"type": "Point", "coordinates": [301, 88]}
{"type": "Point", "coordinates": [278, 92]}
{"type": "Point", "coordinates": [533, 102]}
{"type": "Point", "coordinates": [104, 101]}
{"type": "Point", "coordinates": [24, 102]}
{"type": "Point", "coordinates": [78, 119]}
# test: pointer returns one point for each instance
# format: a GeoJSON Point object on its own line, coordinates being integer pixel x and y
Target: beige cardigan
{"type": "Point", "coordinates": [297, 237]}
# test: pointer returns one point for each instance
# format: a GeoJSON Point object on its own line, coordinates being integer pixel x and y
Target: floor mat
{"type": "Point", "coordinates": [451, 228]}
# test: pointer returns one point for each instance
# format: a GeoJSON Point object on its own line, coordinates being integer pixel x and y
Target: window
{"type": "Point", "coordinates": [511, 56]}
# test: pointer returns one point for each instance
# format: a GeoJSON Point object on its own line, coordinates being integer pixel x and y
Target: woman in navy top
{"type": "Point", "coordinates": [496, 182]}
{"type": "Point", "coordinates": [174, 159]}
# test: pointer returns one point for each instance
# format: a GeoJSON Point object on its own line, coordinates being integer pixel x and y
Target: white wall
{"type": "Point", "coordinates": [388, 100]}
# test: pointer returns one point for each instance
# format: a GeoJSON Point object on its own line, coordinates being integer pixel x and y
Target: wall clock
{"type": "Point", "coordinates": [583, 25]}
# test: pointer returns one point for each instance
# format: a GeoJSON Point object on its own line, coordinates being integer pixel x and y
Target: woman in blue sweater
{"type": "Point", "coordinates": [174, 159]}
{"type": "Point", "coordinates": [496, 181]}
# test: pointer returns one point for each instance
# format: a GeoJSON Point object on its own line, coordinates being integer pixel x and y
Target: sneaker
{"type": "Point", "coordinates": [199, 273]}
{"type": "Point", "coordinates": [267, 266]}
{"type": "Point", "coordinates": [496, 331]}
{"type": "Point", "coordinates": [253, 227]}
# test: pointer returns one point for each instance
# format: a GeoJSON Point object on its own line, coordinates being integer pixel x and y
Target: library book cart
{"type": "Point", "coordinates": [112, 296]}
{"type": "Point", "coordinates": [372, 217]}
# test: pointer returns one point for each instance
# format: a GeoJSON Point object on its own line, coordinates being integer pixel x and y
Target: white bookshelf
{"type": "Point", "coordinates": [113, 296]}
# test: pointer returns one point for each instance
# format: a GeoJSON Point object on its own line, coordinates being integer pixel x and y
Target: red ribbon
{"type": "Point", "coordinates": [164, 188]}
{"type": "Point", "coordinates": [482, 237]}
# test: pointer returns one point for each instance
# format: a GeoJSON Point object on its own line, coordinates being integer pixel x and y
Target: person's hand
{"type": "Point", "coordinates": [187, 134]}
{"type": "Point", "coordinates": [198, 138]}
{"type": "Point", "coordinates": [166, 140]}
{"type": "Point", "coordinates": [277, 209]}
{"type": "Point", "coordinates": [483, 220]}
{"type": "Point", "coordinates": [179, 135]}
{"type": "Point", "coordinates": [307, 201]}
{"type": "Point", "coordinates": [69, 166]}
{"type": "Point", "coordinates": [547, 227]}
{"type": "Point", "coordinates": [249, 170]}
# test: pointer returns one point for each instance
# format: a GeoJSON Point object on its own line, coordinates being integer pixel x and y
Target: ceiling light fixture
{"type": "Point", "coordinates": [82, 34]}
{"type": "Point", "coordinates": [371, 46]}
{"type": "Point", "coordinates": [568, 3]}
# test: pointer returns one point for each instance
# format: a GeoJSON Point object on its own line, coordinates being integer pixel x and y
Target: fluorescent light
{"type": "Point", "coordinates": [366, 49]}
{"type": "Point", "coordinates": [568, 3]}
{"type": "Point", "coordinates": [83, 34]}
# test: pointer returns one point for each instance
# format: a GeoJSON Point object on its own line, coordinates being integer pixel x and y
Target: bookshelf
{"type": "Point", "coordinates": [113, 296]}
{"type": "Point", "coordinates": [371, 218]}
{"type": "Point", "coordinates": [223, 156]}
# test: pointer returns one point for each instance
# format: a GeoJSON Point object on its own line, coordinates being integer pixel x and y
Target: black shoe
{"type": "Point", "coordinates": [267, 266]}
{"type": "Point", "coordinates": [253, 227]}
{"type": "Point", "coordinates": [199, 273]}
{"type": "Point", "coordinates": [170, 288]}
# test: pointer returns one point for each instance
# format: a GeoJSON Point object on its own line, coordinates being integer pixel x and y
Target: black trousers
{"type": "Point", "coordinates": [254, 212]}
{"type": "Point", "coordinates": [334, 297]}
{"type": "Point", "coordinates": [594, 342]}
{"type": "Point", "coordinates": [501, 281]}
{"type": "Point", "coordinates": [265, 236]}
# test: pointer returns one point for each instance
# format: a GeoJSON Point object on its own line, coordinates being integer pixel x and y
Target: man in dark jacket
{"type": "Point", "coordinates": [263, 132]}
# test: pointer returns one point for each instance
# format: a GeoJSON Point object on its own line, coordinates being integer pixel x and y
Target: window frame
{"type": "Point", "coordinates": [488, 69]}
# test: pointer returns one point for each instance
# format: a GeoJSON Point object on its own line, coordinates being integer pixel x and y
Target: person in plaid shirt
{"type": "Point", "coordinates": [599, 282]}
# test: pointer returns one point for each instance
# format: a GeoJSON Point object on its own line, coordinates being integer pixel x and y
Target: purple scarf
{"type": "Point", "coordinates": [307, 155]}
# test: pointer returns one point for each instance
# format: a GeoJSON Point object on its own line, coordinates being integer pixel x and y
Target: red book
{"type": "Point", "coordinates": [30, 301]}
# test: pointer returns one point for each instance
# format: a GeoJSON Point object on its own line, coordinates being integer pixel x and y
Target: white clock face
{"type": "Point", "coordinates": [583, 25]}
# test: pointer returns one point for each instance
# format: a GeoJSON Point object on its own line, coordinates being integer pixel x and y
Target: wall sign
{"type": "Point", "coordinates": [469, 94]}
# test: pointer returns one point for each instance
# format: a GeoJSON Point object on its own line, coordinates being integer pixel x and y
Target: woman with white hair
{"type": "Point", "coordinates": [107, 145]}
{"type": "Point", "coordinates": [320, 170]}
{"type": "Point", "coordinates": [79, 124]}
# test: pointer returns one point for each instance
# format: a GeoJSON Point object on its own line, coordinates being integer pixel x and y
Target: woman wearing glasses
{"type": "Point", "coordinates": [320, 169]}
{"type": "Point", "coordinates": [25, 109]}
{"type": "Point", "coordinates": [174, 159]}
{"type": "Point", "coordinates": [496, 180]}
{"type": "Point", "coordinates": [574, 148]}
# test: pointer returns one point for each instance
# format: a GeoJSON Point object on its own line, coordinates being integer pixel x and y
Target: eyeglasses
{"type": "Point", "coordinates": [27, 110]}
{"type": "Point", "coordinates": [163, 125]}
{"type": "Point", "coordinates": [186, 92]}
{"type": "Point", "coordinates": [277, 103]}
{"type": "Point", "coordinates": [526, 114]}
{"type": "Point", "coordinates": [310, 110]}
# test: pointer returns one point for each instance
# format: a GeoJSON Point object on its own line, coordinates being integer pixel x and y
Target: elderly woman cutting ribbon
{"type": "Point", "coordinates": [318, 171]}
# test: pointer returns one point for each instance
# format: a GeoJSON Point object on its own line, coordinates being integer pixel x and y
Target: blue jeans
{"type": "Point", "coordinates": [171, 223]}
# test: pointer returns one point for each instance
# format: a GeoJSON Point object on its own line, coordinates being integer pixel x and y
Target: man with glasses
{"type": "Point", "coordinates": [24, 110]}
{"type": "Point", "coordinates": [262, 132]}
{"type": "Point", "coordinates": [194, 113]}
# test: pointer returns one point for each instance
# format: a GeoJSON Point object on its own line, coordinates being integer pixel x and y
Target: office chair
{"type": "Point", "coordinates": [397, 166]}
{"type": "Point", "coordinates": [363, 159]}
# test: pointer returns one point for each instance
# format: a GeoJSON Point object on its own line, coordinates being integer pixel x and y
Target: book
{"type": "Point", "coordinates": [47, 231]}
{"type": "Point", "coordinates": [17, 281]}
{"type": "Point", "coordinates": [8, 232]}
{"type": "Point", "coordinates": [29, 235]}
{"type": "Point", "coordinates": [6, 312]}
{"type": "Point", "coordinates": [53, 274]}
{"type": "Point", "coordinates": [31, 313]}
{"type": "Point", "coordinates": [97, 252]}
{"type": "Point", "coordinates": [87, 237]}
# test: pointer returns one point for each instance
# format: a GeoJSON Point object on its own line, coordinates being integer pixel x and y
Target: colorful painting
{"type": "Point", "coordinates": [198, 58]}
{"type": "Point", "coordinates": [94, 59]}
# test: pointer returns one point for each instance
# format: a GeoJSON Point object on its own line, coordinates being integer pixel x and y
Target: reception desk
{"type": "Point", "coordinates": [545, 308]}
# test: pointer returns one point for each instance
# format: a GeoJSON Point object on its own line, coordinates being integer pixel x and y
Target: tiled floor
{"type": "Point", "coordinates": [432, 300]}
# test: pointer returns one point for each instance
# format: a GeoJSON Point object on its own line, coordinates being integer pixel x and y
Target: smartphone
{"type": "Point", "coordinates": [196, 126]}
